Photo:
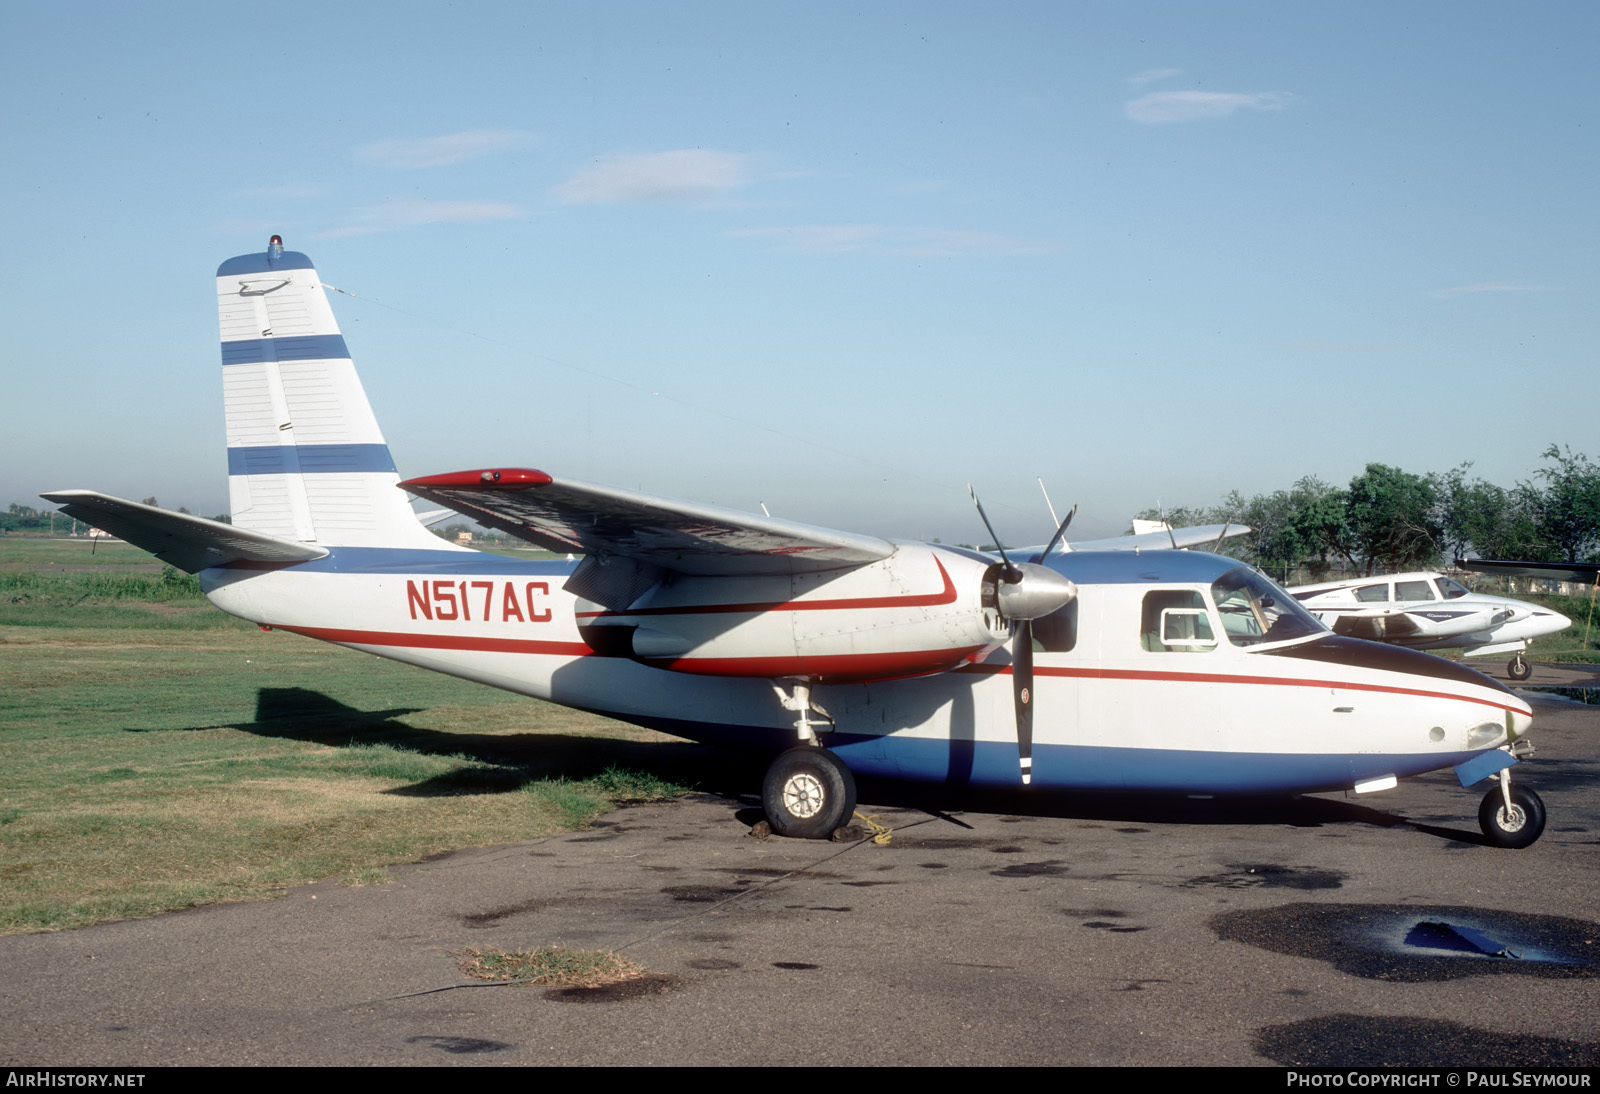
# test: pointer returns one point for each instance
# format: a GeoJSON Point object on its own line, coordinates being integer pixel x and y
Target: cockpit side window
{"type": "Point", "coordinates": [1175, 621]}
{"type": "Point", "coordinates": [1254, 610]}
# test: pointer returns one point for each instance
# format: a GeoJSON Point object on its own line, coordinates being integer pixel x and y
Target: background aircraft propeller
{"type": "Point", "coordinates": [1024, 593]}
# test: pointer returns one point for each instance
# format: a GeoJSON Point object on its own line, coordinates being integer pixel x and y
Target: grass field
{"type": "Point", "coordinates": [157, 754]}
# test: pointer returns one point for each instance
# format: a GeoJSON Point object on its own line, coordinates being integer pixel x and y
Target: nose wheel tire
{"type": "Point", "coordinates": [807, 793]}
{"type": "Point", "coordinates": [1519, 669]}
{"type": "Point", "coordinates": [1518, 826]}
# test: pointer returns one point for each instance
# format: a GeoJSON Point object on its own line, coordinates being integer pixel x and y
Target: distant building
{"type": "Point", "coordinates": [463, 537]}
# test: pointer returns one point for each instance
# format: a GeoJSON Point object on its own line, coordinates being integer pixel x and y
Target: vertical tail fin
{"type": "Point", "coordinates": [306, 460]}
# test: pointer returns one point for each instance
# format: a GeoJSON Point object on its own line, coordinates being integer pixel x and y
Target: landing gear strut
{"type": "Point", "coordinates": [1511, 816]}
{"type": "Point", "coordinates": [1519, 669]}
{"type": "Point", "coordinates": [808, 791]}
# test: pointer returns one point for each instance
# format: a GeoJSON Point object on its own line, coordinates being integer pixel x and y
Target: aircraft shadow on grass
{"type": "Point", "coordinates": [512, 760]}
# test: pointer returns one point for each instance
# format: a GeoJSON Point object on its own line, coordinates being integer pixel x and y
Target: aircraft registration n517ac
{"type": "Point", "coordinates": [1158, 670]}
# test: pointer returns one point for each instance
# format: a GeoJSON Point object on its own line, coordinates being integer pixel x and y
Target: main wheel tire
{"type": "Point", "coordinates": [1518, 826]}
{"type": "Point", "coordinates": [1519, 669]}
{"type": "Point", "coordinates": [808, 792]}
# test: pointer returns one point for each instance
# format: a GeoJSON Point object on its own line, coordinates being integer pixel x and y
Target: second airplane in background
{"type": "Point", "coordinates": [1428, 611]}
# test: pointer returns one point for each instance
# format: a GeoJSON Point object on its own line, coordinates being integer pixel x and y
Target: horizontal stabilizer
{"type": "Point", "coordinates": [682, 536]}
{"type": "Point", "coordinates": [190, 543]}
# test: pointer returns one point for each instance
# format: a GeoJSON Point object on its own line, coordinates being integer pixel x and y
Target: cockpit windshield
{"type": "Point", "coordinates": [1449, 590]}
{"type": "Point", "coordinates": [1254, 610]}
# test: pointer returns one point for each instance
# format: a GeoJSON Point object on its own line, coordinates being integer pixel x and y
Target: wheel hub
{"type": "Point", "coordinates": [1512, 819]}
{"type": "Point", "coordinates": [803, 795]}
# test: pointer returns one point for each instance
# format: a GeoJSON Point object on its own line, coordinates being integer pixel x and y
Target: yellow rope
{"type": "Point", "coordinates": [880, 832]}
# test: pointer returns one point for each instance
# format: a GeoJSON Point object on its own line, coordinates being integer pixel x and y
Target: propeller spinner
{"type": "Point", "coordinates": [1025, 592]}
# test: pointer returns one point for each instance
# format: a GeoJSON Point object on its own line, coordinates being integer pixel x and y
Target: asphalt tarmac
{"type": "Point", "coordinates": [1038, 931]}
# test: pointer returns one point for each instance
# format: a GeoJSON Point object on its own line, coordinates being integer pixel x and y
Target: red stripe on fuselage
{"type": "Point", "coordinates": [1219, 678]}
{"type": "Point", "coordinates": [946, 595]}
{"type": "Point", "coordinates": [443, 641]}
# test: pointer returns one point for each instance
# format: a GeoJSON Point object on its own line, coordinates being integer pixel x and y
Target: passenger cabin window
{"type": "Point", "coordinates": [1373, 593]}
{"type": "Point", "coordinates": [1176, 621]}
{"type": "Point", "coordinates": [1413, 590]}
{"type": "Point", "coordinates": [1058, 631]}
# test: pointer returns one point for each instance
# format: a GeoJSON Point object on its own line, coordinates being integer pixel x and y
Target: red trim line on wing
{"type": "Point", "coordinates": [832, 668]}
{"type": "Point", "coordinates": [946, 595]}
{"type": "Point", "coordinates": [442, 641]}
{"type": "Point", "coordinates": [1219, 678]}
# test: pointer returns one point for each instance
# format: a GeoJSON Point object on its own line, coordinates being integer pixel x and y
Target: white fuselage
{"type": "Point", "coordinates": [1117, 708]}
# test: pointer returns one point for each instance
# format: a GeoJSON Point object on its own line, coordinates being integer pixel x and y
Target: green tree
{"type": "Point", "coordinates": [1482, 520]}
{"type": "Point", "coordinates": [1392, 517]}
{"type": "Point", "coordinates": [1569, 505]}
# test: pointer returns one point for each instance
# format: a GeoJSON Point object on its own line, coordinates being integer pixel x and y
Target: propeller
{"type": "Point", "coordinates": [1025, 592]}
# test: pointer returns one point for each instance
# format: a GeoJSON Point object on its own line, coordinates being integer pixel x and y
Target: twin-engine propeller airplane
{"type": "Point", "coordinates": [1153, 670]}
{"type": "Point", "coordinates": [1428, 611]}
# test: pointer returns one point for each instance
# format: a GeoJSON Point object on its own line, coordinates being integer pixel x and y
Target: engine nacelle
{"type": "Point", "coordinates": [916, 612]}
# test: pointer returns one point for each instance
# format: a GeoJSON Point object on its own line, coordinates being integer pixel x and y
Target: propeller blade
{"type": "Point", "coordinates": [1061, 531]}
{"type": "Point", "coordinates": [1022, 695]}
{"type": "Point", "coordinates": [1013, 575]}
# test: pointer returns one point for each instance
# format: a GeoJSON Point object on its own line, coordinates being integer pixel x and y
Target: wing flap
{"type": "Point", "coordinates": [188, 542]}
{"type": "Point", "coordinates": [682, 536]}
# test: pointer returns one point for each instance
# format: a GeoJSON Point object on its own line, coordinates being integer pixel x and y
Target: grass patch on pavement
{"type": "Point", "coordinates": [555, 966]}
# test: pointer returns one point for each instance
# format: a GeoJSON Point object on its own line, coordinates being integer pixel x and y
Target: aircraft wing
{"type": "Point", "coordinates": [190, 543]}
{"type": "Point", "coordinates": [1202, 535]}
{"type": "Point", "coordinates": [1586, 572]}
{"type": "Point", "coordinates": [664, 533]}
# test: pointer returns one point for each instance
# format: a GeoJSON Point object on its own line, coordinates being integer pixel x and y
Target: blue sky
{"type": "Point", "coordinates": [838, 258]}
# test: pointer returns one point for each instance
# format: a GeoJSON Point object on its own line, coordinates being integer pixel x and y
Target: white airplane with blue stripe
{"type": "Point", "coordinates": [1151, 669]}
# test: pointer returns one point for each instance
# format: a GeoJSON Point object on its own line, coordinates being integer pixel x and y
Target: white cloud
{"type": "Point", "coordinates": [1163, 107]}
{"type": "Point", "coordinates": [392, 216]}
{"type": "Point", "coordinates": [1488, 286]}
{"type": "Point", "coordinates": [683, 175]}
{"type": "Point", "coordinates": [878, 239]}
{"type": "Point", "coordinates": [438, 151]}
{"type": "Point", "coordinates": [1153, 75]}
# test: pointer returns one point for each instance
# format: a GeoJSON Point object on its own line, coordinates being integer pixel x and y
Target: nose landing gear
{"type": "Point", "coordinates": [1511, 816]}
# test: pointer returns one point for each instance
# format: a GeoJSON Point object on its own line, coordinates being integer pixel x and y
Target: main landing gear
{"type": "Point", "coordinates": [1519, 669]}
{"type": "Point", "coordinates": [808, 791]}
{"type": "Point", "coordinates": [1511, 816]}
